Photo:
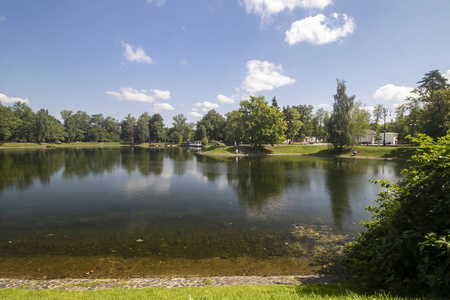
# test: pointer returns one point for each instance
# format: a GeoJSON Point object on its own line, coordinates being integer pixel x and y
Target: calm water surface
{"type": "Point", "coordinates": [122, 212]}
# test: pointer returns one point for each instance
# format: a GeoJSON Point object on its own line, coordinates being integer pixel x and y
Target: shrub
{"type": "Point", "coordinates": [406, 248]}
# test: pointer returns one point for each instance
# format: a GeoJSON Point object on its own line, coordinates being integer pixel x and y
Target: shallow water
{"type": "Point", "coordinates": [124, 212]}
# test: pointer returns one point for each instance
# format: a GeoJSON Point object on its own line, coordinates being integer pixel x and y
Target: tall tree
{"type": "Point", "coordinates": [26, 115]}
{"type": "Point", "coordinates": [262, 123]}
{"type": "Point", "coordinates": [436, 114]}
{"type": "Point", "coordinates": [142, 130]}
{"type": "Point", "coordinates": [321, 118]}
{"type": "Point", "coordinates": [181, 128]}
{"type": "Point", "coordinates": [8, 122]}
{"type": "Point", "coordinates": [275, 102]}
{"type": "Point", "coordinates": [433, 81]}
{"type": "Point", "coordinates": [214, 123]}
{"type": "Point", "coordinates": [69, 124]}
{"type": "Point", "coordinates": [306, 116]}
{"type": "Point", "coordinates": [47, 128]}
{"type": "Point", "coordinates": [292, 119]}
{"type": "Point", "coordinates": [378, 113]}
{"type": "Point", "coordinates": [127, 128]}
{"type": "Point", "coordinates": [156, 127]}
{"type": "Point", "coordinates": [233, 130]}
{"type": "Point", "coordinates": [360, 121]}
{"type": "Point", "coordinates": [340, 123]}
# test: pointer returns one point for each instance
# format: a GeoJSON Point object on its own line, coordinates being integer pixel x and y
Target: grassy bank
{"type": "Point", "coordinates": [317, 291]}
{"type": "Point", "coordinates": [366, 151]}
{"type": "Point", "coordinates": [60, 145]}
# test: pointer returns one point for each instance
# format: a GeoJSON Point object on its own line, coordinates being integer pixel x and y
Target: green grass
{"type": "Point", "coordinates": [331, 291]}
{"type": "Point", "coordinates": [367, 151]}
{"type": "Point", "coordinates": [61, 145]}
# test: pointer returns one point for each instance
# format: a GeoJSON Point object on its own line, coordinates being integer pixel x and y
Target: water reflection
{"type": "Point", "coordinates": [100, 202]}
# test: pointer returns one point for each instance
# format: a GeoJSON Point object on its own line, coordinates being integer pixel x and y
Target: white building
{"type": "Point", "coordinates": [391, 138]}
{"type": "Point", "coordinates": [369, 137]}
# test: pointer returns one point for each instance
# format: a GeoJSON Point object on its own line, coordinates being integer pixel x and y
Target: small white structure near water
{"type": "Point", "coordinates": [369, 137]}
{"type": "Point", "coordinates": [391, 138]}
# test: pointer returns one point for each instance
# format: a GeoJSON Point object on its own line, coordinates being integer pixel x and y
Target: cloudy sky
{"type": "Point", "coordinates": [177, 56]}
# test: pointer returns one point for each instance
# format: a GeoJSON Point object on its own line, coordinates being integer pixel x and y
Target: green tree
{"type": "Point", "coordinates": [95, 131]}
{"type": "Point", "coordinates": [340, 123]}
{"type": "Point", "coordinates": [142, 128]}
{"type": "Point", "coordinates": [360, 121]}
{"type": "Point", "coordinates": [47, 128]}
{"type": "Point", "coordinates": [306, 116]}
{"type": "Point", "coordinates": [111, 127]}
{"type": "Point", "coordinates": [182, 128]}
{"type": "Point", "coordinates": [275, 102]}
{"type": "Point", "coordinates": [214, 124]}
{"type": "Point", "coordinates": [26, 115]}
{"type": "Point", "coordinates": [378, 114]}
{"type": "Point", "coordinates": [407, 245]}
{"type": "Point", "coordinates": [127, 128]}
{"type": "Point", "coordinates": [432, 82]}
{"type": "Point", "coordinates": [292, 119]}
{"type": "Point", "coordinates": [8, 123]}
{"type": "Point", "coordinates": [262, 124]}
{"type": "Point", "coordinates": [156, 127]}
{"type": "Point", "coordinates": [233, 130]}
{"type": "Point", "coordinates": [321, 117]}
{"type": "Point", "coordinates": [69, 124]}
{"type": "Point", "coordinates": [200, 133]}
{"type": "Point", "coordinates": [436, 113]}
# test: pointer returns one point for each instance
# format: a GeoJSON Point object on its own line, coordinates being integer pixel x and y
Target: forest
{"type": "Point", "coordinates": [256, 121]}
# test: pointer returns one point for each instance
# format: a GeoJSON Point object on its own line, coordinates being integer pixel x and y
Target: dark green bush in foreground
{"type": "Point", "coordinates": [407, 246]}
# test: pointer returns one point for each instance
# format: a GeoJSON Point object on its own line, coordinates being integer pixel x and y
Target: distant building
{"type": "Point", "coordinates": [391, 138]}
{"type": "Point", "coordinates": [195, 143]}
{"type": "Point", "coordinates": [369, 138]}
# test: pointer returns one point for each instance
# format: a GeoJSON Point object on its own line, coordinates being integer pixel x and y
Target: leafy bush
{"type": "Point", "coordinates": [407, 246]}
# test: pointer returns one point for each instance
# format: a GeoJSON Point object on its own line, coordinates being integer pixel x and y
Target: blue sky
{"type": "Point", "coordinates": [177, 56]}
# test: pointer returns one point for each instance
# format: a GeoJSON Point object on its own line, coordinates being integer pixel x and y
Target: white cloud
{"type": "Point", "coordinates": [447, 75]}
{"type": "Point", "coordinates": [224, 99]}
{"type": "Point", "coordinates": [157, 107]}
{"type": "Point", "coordinates": [6, 99]}
{"type": "Point", "coordinates": [157, 3]}
{"type": "Point", "coordinates": [392, 92]}
{"type": "Point", "coordinates": [205, 105]}
{"type": "Point", "coordinates": [137, 56]}
{"type": "Point", "coordinates": [267, 8]}
{"type": "Point", "coordinates": [264, 76]}
{"type": "Point", "coordinates": [195, 114]}
{"type": "Point", "coordinates": [129, 94]}
{"type": "Point", "coordinates": [183, 62]}
{"type": "Point", "coordinates": [163, 95]}
{"type": "Point", "coordinates": [324, 105]}
{"type": "Point", "coordinates": [320, 30]}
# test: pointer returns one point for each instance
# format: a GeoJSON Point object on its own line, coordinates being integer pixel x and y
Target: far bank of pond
{"type": "Point", "coordinates": [368, 152]}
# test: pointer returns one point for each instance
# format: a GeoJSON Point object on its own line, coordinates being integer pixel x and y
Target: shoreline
{"type": "Point", "coordinates": [83, 284]}
{"type": "Point", "coordinates": [303, 154]}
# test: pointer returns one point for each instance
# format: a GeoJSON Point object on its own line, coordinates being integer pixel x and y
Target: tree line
{"type": "Point", "coordinates": [255, 121]}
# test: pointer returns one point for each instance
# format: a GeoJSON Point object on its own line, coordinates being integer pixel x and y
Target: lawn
{"type": "Point", "coordinates": [316, 291]}
{"type": "Point", "coordinates": [365, 151]}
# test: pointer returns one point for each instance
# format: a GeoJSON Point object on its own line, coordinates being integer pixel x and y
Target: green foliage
{"type": "Point", "coordinates": [406, 247]}
{"type": "Point", "coordinates": [8, 122]}
{"type": "Point", "coordinates": [213, 123]}
{"type": "Point", "coordinates": [261, 123]}
{"type": "Point", "coordinates": [340, 120]}
{"type": "Point", "coordinates": [292, 119]}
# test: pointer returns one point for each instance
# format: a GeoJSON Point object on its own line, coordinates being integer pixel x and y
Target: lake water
{"type": "Point", "coordinates": [124, 212]}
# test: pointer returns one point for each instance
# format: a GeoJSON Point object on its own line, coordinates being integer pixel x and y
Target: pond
{"type": "Point", "coordinates": [130, 212]}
